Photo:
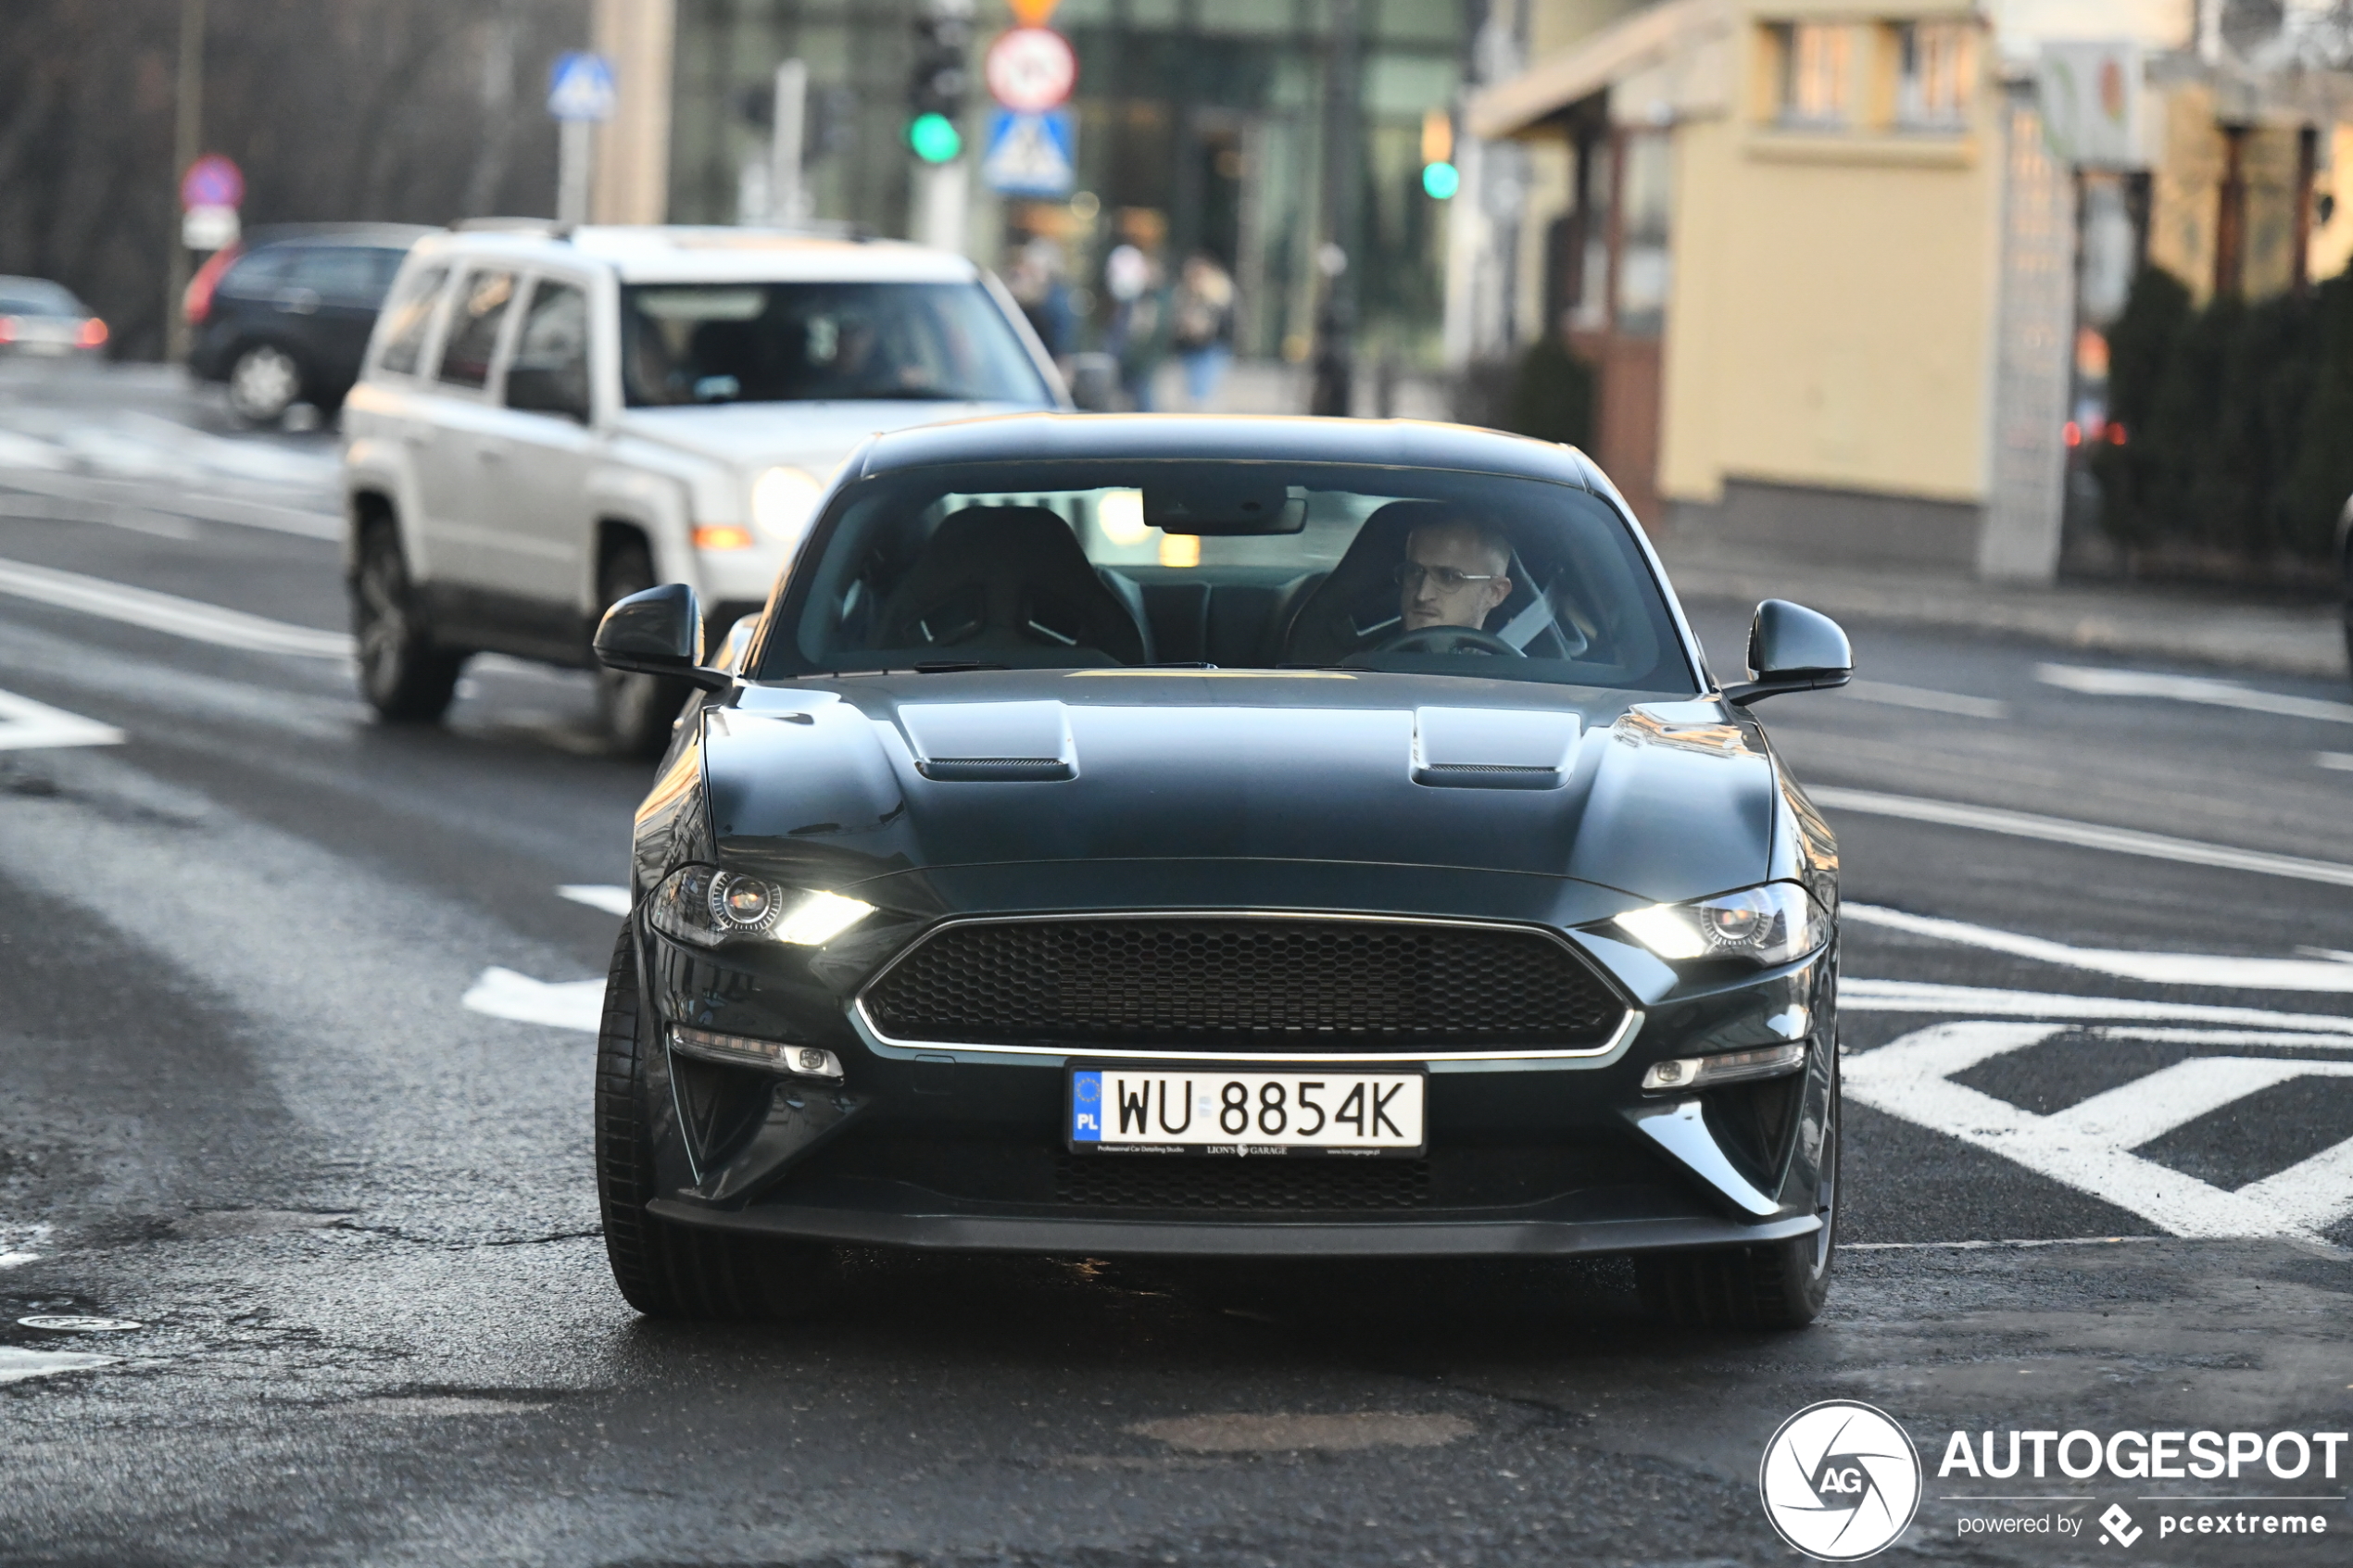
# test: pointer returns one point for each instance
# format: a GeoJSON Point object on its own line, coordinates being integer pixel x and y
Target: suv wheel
{"type": "Point", "coordinates": [264, 382]}
{"type": "Point", "coordinates": [1782, 1285]}
{"type": "Point", "coordinates": [667, 1271]}
{"type": "Point", "coordinates": [638, 710]}
{"type": "Point", "coordinates": [404, 676]}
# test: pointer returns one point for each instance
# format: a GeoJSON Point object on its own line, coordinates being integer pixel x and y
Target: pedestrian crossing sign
{"type": "Point", "coordinates": [1031, 155]}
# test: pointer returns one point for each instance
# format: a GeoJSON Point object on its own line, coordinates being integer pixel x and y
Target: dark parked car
{"type": "Point", "coordinates": [40, 320]}
{"type": "Point", "coordinates": [1285, 837]}
{"type": "Point", "coordinates": [286, 318]}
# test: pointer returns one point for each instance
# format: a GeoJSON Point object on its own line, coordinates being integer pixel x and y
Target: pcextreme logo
{"type": "Point", "coordinates": [1840, 1480]}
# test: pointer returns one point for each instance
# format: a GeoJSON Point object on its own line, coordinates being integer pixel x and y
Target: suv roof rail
{"type": "Point", "coordinates": [550, 227]}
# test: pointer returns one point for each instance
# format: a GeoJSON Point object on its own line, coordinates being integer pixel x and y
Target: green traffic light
{"type": "Point", "coordinates": [934, 138]}
{"type": "Point", "coordinates": [1440, 180]}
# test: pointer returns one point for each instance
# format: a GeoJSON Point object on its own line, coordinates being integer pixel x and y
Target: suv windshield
{"type": "Point", "coordinates": [1239, 565]}
{"type": "Point", "coordinates": [775, 342]}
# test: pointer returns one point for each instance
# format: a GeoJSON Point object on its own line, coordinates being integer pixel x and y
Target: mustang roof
{"type": "Point", "coordinates": [1412, 444]}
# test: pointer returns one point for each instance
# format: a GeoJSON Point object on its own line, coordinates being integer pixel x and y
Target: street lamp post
{"type": "Point", "coordinates": [1336, 322]}
{"type": "Point", "coordinates": [188, 136]}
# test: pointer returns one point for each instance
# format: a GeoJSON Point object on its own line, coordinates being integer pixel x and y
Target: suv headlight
{"type": "Point", "coordinates": [707, 906]}
{"type": "Point", "coordinates": [1774, 923]}
{"type": "Point", "coordinates": [781, 500]}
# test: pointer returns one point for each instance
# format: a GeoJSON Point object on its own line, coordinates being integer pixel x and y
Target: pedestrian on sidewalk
{"type": "Point", "coordinates": [1139, 334]}
{"type": "Point", "coordinates": [1201, 326]}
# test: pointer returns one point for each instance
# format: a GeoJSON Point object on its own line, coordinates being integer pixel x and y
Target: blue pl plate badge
{"type": "Point", "coordinates": [1086, 1107]}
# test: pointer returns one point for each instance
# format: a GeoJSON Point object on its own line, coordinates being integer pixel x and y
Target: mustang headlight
{"type": "Point", "coordinates": [781, 499]}
{"type": "Point", "coordinates": [1775, 923]}
{"type": "Point", "coordinates": [706, 905]}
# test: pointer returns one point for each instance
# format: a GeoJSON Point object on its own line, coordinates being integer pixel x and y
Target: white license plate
{"type": "Point", "coordinates": [1214, 1111]}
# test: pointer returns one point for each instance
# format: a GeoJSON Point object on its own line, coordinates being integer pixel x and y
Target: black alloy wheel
{"type": "Point", "coordinates": [405, 676]}
{"type": "Point", "coordinates": [637, 710]}
{"type": "Point", "coordinates": [663, 1270]}
{"type": "Point", "coordinates": [1780, 1284]}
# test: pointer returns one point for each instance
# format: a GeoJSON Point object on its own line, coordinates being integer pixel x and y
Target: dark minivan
{"type": "Point", "coordinates": [286, 318]}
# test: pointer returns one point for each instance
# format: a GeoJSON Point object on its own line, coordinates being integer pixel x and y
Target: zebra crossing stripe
{"type": "Point", "coordinates": [2089, 1146]}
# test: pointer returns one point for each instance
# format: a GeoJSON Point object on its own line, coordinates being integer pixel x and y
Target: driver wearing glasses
{"type": "Point", "coordinates": [1454, 574]}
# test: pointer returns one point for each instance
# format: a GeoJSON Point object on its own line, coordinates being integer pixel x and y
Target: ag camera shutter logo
{"type": "Point", "coordinates": [1840, 1481]}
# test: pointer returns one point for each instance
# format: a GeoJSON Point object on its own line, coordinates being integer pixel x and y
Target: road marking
{"type": "Point", "coordinates": [17, 1365]}
{"type": "Point", "coordinates": [559, 1004]}
{"type": "Point", "coordinates": [1972, 1001]}
{"type": "Point", "coordinates": [1981, 1246]}
{"type": "Point", "coordinates": [2189, 688]}
{"type": "Point", "coordinates": [1894, 695]}
{"type": "Point", "coordinates": [27, 725]}
{"type": "Point", "coordinates": [2089, 1146]}
{"type": "Point", "coordinates": [16, 1245]}
{"type": "Point", "coordinates": [167, 612]}
{"type": "Point", "coordinates": [2335, 761]}
{"type": "Point", "coordinates": [597, 896]}
{"type": "Point", "coordinates": [2163, 968]}
{"type": "Point", "coordinates": [2089, 836]}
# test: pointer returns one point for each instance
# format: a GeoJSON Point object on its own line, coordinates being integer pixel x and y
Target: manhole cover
{"type": "Point", "coordinates": [81, 1325]}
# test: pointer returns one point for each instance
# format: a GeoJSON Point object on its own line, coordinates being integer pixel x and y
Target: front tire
{"type": "Point", "coordinates": [405, 678]}
{"type": "Point", "coordinates": [637, 710]}
{"type": "Point", "coordinates": [664, 1269]}
{"type": "Point", "coordinates": [264, 382]}
{"type": "Point", "coordinates": [1781, 1284]}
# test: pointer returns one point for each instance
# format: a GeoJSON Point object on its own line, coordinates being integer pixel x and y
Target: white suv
{"type": "Point", "coordinates": [549, 421]}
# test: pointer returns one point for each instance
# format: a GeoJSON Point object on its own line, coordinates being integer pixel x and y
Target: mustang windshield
{"type": "Point", "coordinates": [1241, 565]}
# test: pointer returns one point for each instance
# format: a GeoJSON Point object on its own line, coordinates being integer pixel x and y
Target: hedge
{"type": "Point", "coordinates": [2236, 423]}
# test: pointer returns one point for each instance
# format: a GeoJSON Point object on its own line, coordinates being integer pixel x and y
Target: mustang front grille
{"type": "Point", "coordinates": [1200, 984]}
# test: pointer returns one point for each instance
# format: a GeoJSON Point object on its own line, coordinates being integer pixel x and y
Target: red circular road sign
{"type": "Point", "coordinates": [1031, 70]}
{"type": "Point", "coordinates": [213, 181]}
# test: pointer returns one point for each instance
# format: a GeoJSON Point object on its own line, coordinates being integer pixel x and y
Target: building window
{"type": "Point", "coordinates": [1933, 75]}
{"type": "Point", "coordinates": [1816, 73]}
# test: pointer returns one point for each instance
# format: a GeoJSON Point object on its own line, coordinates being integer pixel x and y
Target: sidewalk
{"type": "Point", "coordinates": [2201, 626]}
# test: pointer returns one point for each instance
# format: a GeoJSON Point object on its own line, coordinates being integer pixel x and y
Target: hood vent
{"type": "Point", "coordinates": [990, 742]}
{"type": "Point", "coordinates": [1493, 747]}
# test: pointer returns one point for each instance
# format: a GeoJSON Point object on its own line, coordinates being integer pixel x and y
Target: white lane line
{"type": "Point", "coordinates": [2132, 1115]}
{"type": "Point", "coordinates": [2163, 968]}
{"type": "Point", "coordinates": [18, 1242]}
{"type": "Point", "coordinates": [1892, 696]}
{"type": "Point", "coordinates": [2314, 1193]}
{"type": "Point", "coordinates": [2335, 761]}
{"type": "Point", "coordinates": [1981, 1246]}
{"type": "Point", "coordinates": [1972, 1001]}
{"type": "Point", "coordinates": [1912, 1078]}
{"type": "Point", "coordinates": [239, 511]}
{"type": "Point", "coordinates": [17, 1365]}
{"type": "Point", "coordinates": [559, 1004]}
{"type": "Point", "coordinates": [27, 725]}
{"type": "Point", "coordinates": [2189, 688]}
{"type": "Point", "coordinates": [167, 612]}
{"type": "Point", "coordinates": [2089, 836]}
{"type": "Point", "coordinates": [597, 896]}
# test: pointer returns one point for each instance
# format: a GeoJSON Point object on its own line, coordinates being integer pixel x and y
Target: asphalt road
{"type": "Point", "coordinates": [292, 1089]}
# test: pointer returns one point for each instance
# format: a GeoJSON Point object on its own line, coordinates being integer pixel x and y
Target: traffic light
{"type": "Point", "coordinates": [1441, 179]}
{"type": "Point", "coordinates": [936, 85]}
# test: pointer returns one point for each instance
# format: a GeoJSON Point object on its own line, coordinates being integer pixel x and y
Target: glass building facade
{"type": "Point", "coordinates": [1200, 129]}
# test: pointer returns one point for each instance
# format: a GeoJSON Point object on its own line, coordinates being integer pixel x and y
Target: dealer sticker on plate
{"type": "Point", "coordinates": [1216, 1111]}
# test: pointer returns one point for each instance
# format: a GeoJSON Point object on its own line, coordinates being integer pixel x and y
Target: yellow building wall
{"type": "Point", "coordinates": [1834, 302]}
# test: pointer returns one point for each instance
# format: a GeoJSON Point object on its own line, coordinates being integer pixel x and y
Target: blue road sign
{"type": "Point", "coordinates": [580, 87]}
{"type": "Point", "coordinates": [1031, 155]}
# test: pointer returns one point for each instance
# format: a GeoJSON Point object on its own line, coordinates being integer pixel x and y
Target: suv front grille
{"type": "Point", "coordinates": [1203, 984]}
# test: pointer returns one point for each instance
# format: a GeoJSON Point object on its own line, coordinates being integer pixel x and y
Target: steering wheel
{"type": "Point", "coordinates": [1449, 639]}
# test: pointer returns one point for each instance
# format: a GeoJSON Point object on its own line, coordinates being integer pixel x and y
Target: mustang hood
{"type": "Point", "coordinates": [1663, 800]}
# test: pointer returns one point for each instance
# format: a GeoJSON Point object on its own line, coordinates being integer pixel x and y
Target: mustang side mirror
{"type": "Point", "coordinates": [659, 632]}
{"type": "Point", "coordinates": [1792, 648]}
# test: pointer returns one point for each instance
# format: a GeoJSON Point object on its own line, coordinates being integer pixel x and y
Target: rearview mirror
{"type": "Point", "coordinates": [658, 633]}
{"type": "Point", "coordinates": [1792, 648]}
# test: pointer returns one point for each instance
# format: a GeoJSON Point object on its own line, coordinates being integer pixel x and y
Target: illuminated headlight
{"type": "Point", "coordinates": [707, 906]}
{"type": "Point", "coordinates": [1727, 1067]}
{"type": "Point", "coordinates": [741, 1050]}
{"type": "Point", "coordinates": [781, 501]}
{"type": "Point", "coordinates": [1775, 923]}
